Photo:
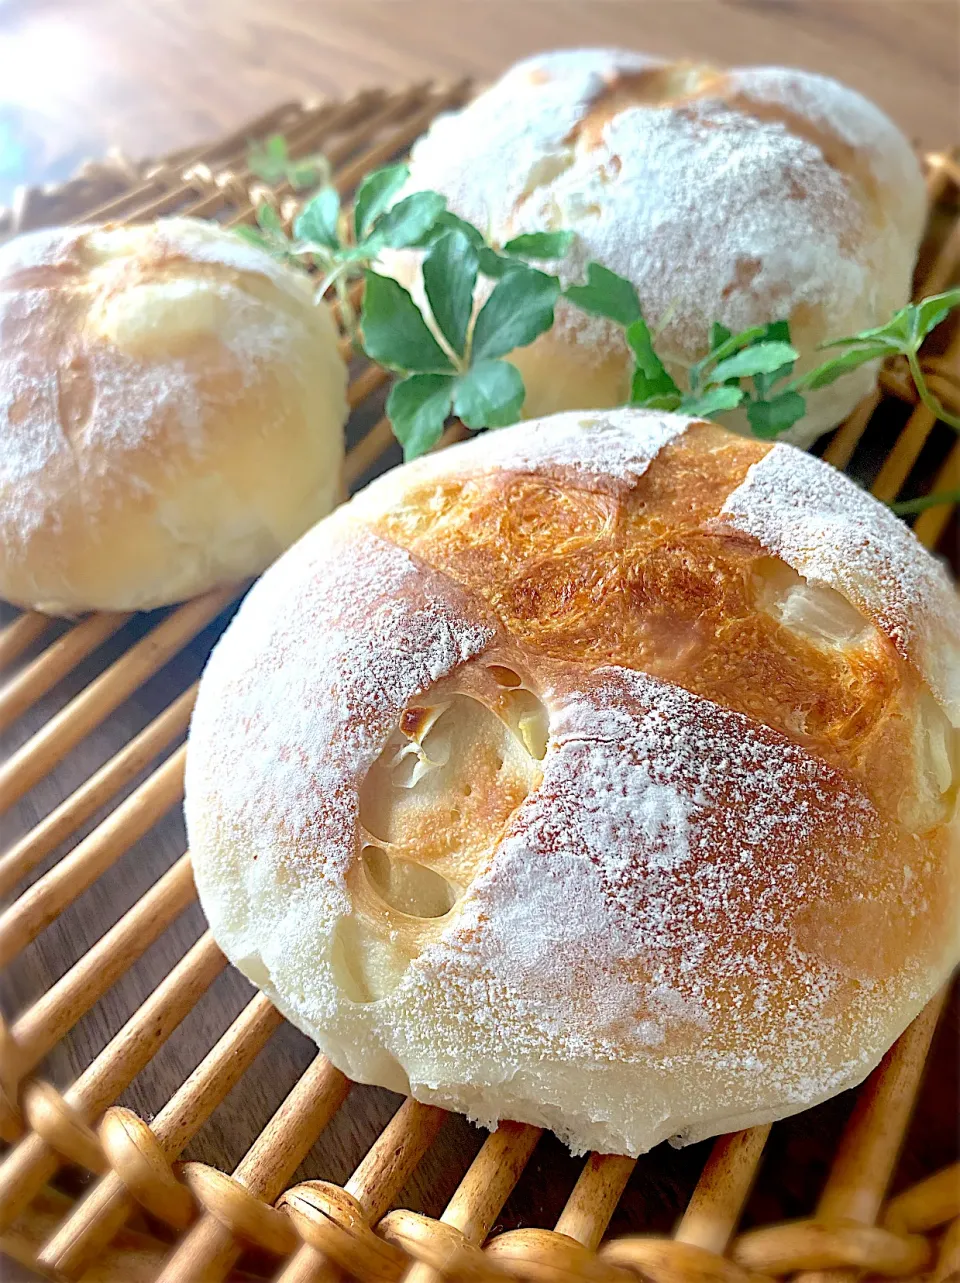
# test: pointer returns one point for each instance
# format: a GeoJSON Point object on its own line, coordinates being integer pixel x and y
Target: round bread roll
{"type": "Point", "coordinates": [744, 196]}
{"type": "Point", "coordinates": [172, 410]}
{"type": "Point", "coordinates": [599, 773]}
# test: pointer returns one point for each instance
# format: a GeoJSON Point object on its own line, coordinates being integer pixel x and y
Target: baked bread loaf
{"type": "Point", "coordinates": [743, 196]}
{"type": "Point", "coordinates": [172, 410]}
{"type": "Point", "coordinates": [599, 773]}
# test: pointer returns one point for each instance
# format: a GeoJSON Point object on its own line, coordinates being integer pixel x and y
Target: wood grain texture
{"type": "Point", "coordinates": [76, 77]}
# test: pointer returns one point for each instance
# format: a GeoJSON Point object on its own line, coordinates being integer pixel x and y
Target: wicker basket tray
{"type": "Point", "coordinates": [89, 1190]}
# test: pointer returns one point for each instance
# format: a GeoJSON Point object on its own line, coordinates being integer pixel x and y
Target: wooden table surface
{"type": "Point", "coordinates": [79, 75]}
{"type": "Point", "coordinates": [76, 77]}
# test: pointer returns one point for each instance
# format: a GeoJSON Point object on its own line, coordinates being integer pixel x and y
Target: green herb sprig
{"type": "Point", "coordinates": [457, 365]}
{"type": "Point", "coordinates": [762, 355]}
{"type": "Point", "coordinates": [449, 356]}
{"type": "Point", "coordinates": [342, 248]}
{"type": "Point", "coordinates": [910, 507]}
{"type": "Point", "coordinates": [902, 335]}
{"type": "Point", "coordinates": [271, 161]}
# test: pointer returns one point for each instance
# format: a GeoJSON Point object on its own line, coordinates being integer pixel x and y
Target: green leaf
{"type": "Point", "coordinates": [759, 358]}
{"type": "Point", "coordinates": [713, 401]}
{"type": "Point", "coordinates": [929, 312]}
{"type": "Point", "coordinates": [495, 264]}
{"type": "Point", "coordinates": [518, 311]}
{"type": "Point", "coordinates": [252, 235]}
{"type": "Point", "coordinates": [489, 395]}
{"type": "Point", "coordinates": [837, 366]}
{"type": "Point", "coordinates": [776, 331]}
{"type": "Point", "coordinates": [449, 277]}
{"type": "Point", "coordinates": [406, 223]}
{"type": "Point", "coordinates": [269, 159]}
{"type": "Point", "coordinates": [394, 332]}
{"type": "Point", "coordinates": [907, 507]}
{"type": "Point", "coordinates": [650, 379]}
{"type": "Point", "coordinates": [895, 335]}
{"type": "Point", "coordinates": [447, 222]}
{"type": "Point", "coordinates": [770, 418]}
{"type": "Point", "coordinates": [270, 222]}
{"type": "Point", "coordinates": [418, 407]}
{"type": "Point", "coordinates": [727, 346]}
{"type": "Point", "coordinates": [374, 195]}
{"type": "Point", "coordinates": [606, 294]}
{"type": "Point", "coordinates": [355, 253]}
{"type": "Point", "coordinates": [670, 401]}
{"type": "Point", "coordinates": [765, 383]}
{"type": "Point", "coordinates": [540, 244]}
{"type": "Point", "coordinates": [304, 173]}
{"type": "Point", "coordinates": [719, 334]}
{"type": "Point", "coordinates": [317, 221]}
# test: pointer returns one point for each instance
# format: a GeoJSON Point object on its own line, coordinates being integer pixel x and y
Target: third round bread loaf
{"type": "Point", "coordinates": [171, 414]}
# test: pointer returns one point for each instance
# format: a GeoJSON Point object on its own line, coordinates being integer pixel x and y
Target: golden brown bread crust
{"type": "Point", "coordinates": [644, 576]}
{"type": "Point", "coordinates": [171, 405]}
{"type": "Point", "coordinates": [535, 782]}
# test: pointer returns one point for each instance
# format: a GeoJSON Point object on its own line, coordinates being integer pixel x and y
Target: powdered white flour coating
{"type": "Point", "coordinates": [171, 409]}
{"type": "Point", "coordinates": [604, 444]}
{"type": "Point", "coordinates": [579, 947]}
{"type": "Point", "coordinates": [685, 923]}
{"type": "Point", "coordinates": [740, 197]}
{"type": "Point", "coordinates": [300, 696]}
{"type": "Point", "coordinates": [830, 531]}
{"type": "Point", "coordinates": [135, 398]}
{"type": "Point", "coordinates": [203, 242]}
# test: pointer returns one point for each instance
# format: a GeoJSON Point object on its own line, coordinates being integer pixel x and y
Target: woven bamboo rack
{"type": "Point", "coordinates": [89, 1190]}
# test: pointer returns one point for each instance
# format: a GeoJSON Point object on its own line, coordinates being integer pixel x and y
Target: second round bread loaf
{"type": "Point", "coordinates": [742, 196]}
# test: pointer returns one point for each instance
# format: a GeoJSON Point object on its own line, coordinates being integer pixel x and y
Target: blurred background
{"type": "Point", "coordinates": [79, 76]}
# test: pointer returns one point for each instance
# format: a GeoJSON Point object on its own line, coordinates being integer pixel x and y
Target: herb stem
{"type": "Point", "coordinates": [908, 507]}
{"type": "Point", "coordinates": [933, 404]}
{"type": "Point", "coordinates": [332, 278]}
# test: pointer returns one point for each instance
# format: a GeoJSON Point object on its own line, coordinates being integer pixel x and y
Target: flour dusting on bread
{"type": "Point", "coordinates": [171, 408]}
{"type": "Point", "coordinates": [324, 655]}
{"type": "Point", "coordinates": [738, 196]}
{"type": "Point", "coordinates": [830, 531]}
{"type": "Point", "coordinates": [642, 912]}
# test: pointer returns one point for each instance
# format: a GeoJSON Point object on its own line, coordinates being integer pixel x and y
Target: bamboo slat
{"type": "Point", "coordinates": [722, 1190]}
{"type": "Point", "coordinates": [56, 661]}
{"type": "Point", "coordinates": [20, 635]}
{"type": "Point", "coordinates": [66, 729]}
{"type": "Point", "coordinates": [334, 1224]}
{"type": "Point", "coordinates": [52, 893]}
{"type": "Point", "coordinates": [859, 1177]}
{"type": "Point", "coordinates": [64, 819]}
{"type": "Point", "coordinates": [209, 1251]}
{"type": "Point", "coordinates": [33, 1160]}
{"type": "Point", "coordinates": [97, 1219]}
{"type": "Point", "coordinates": [930, 525]}
{"type": "Point", "coordinates": [315, 1231]}
{"type": "Point", "coordinates": [48, 1020]}
{"type": "Point", "coordinates": [453, 1242]}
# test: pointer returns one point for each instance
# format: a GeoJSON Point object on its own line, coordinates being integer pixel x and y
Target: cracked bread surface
{"type": "Point", "coordinates": [547, 781]}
